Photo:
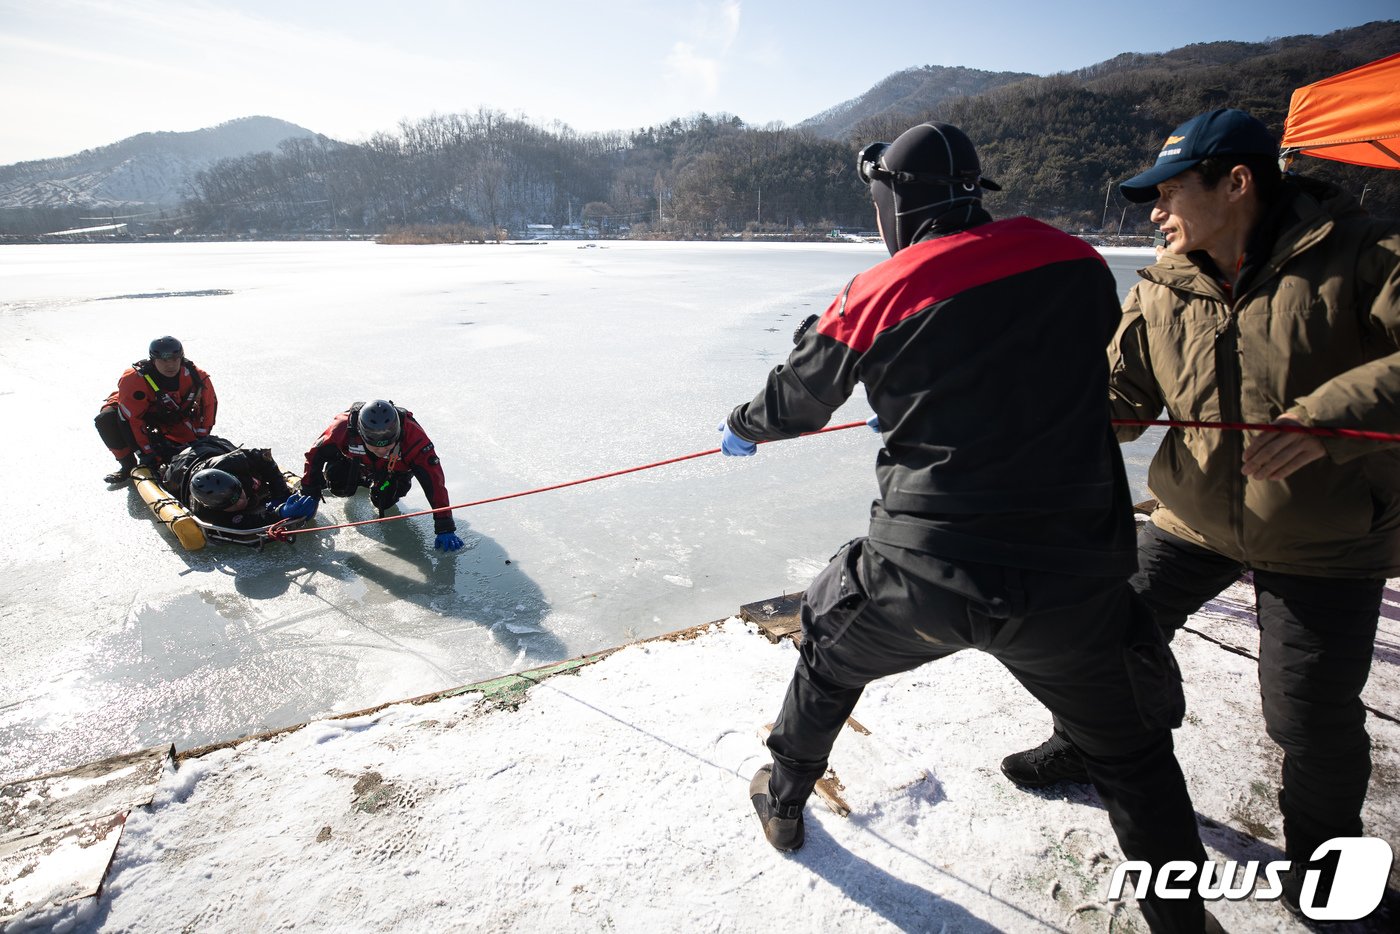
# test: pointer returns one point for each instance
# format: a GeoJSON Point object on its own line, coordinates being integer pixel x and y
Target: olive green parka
{"type": "Point", "coordinates": [1313, 332]}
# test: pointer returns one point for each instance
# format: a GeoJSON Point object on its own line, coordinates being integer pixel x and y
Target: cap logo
{"type": "Point", "coordinates": [1167, 148]}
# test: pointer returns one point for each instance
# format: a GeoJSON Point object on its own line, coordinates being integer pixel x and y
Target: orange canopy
{"type": "Point", "coordinates": [1351, 117]}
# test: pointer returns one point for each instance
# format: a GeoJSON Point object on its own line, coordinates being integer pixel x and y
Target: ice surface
{"type": "Point", "coordinates": [527, 365]}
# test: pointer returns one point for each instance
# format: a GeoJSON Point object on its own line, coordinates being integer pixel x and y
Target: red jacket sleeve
{"type": "Point", "coordinates": [134, 398]}
{"type": "Point", "coordinates": [420, 455]}
{"type": "Point", "coordinates": [208, 406]}
{"type": "Point", "coordinates": [332, 439]}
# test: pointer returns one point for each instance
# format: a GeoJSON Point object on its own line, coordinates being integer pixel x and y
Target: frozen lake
{"type": "Point", "coordinates": [528, 365]}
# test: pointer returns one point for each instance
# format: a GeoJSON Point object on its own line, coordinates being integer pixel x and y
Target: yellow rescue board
{"type": "Point", "coordinates": [168, 509]}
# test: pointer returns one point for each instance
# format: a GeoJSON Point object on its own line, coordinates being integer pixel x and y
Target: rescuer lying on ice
{"type": "Point", "coordinates": [380, 446]}
{"type": "Point", "coordinates": [160, 405]}
{"type": "Point", "coordinates": [226, 485]}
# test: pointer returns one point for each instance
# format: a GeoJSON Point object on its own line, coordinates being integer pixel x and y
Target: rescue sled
{"type": "Point", "coordinates": [192, 531]}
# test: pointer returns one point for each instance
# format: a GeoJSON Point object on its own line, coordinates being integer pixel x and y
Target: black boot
{"type": "Point", "coordinates": [782, 825]}
{"type": "Point", "coordinates": [1054, 760]}
{"type": "Point", "coordinates": [123, 471]}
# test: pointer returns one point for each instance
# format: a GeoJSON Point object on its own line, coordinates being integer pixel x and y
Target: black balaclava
{"type": "Point", "coordinates": [911, 211]}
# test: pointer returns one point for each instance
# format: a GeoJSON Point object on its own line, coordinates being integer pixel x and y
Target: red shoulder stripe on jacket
{"type": "Point", "coordinates": [934, 271]}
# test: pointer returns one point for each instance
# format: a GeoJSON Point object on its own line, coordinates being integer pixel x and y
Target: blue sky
{"type": "Point", "coordinates": [83, 73]}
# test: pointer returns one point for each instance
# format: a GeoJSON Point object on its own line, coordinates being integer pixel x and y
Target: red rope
{"type": "Point", "coordinates": [279, 532]}
{"type": "Point", "coordinates": [1255, 426]}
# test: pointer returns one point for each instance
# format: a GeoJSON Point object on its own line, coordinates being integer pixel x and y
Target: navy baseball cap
{"type": "Point", "coordinates": [1217, 133]}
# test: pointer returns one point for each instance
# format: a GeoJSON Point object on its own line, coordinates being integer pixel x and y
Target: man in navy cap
{"type": "Point", "coordinates": [980, 346]}
{"type": "Point", "coordinates": [1277, 299]}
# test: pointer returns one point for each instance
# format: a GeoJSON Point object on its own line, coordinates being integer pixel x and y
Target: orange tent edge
{"type": "Point", "coordinates": [1349, 117]}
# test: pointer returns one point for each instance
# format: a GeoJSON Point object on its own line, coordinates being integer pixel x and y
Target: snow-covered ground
{"type": "Point", "coordinates": [614, 798]}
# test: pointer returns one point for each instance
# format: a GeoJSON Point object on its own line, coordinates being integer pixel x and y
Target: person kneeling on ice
{"type": "Point", "coordinates": [161, 404]}
{"type": "Point", "coordinates": [980, 344]}
{"type": "Point", "coordinates": [226, 485]}
{"type": "Point", "coordinates": [380, 446]}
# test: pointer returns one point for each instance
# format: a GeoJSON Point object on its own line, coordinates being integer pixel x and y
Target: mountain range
{"type": "Point", "coordinates": [146, 170]}
{"type": "Point", "coordinates": [905, 95]}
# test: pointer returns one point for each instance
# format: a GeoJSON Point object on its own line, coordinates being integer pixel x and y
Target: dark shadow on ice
{"type": "Point", "coordinates": [478, 585]}
{"type": "Point", "coordinates": [906, 906]}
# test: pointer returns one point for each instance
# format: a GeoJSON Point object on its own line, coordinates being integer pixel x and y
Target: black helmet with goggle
{"type": "Point", "coordinates": [871, 166]}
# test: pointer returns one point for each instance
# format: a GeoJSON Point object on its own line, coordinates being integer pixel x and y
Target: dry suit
{"type": "Point", "coordinates": [340, 464]}
{"type": "Point", "coordinates": [154, 414]}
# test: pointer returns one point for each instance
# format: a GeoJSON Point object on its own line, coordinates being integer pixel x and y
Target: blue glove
{"type": "Point", "coordinates": [447, 541]}
{"type": "Point", "coordinates": [731, 445]}
{"type": "Point", "coordinates": [874, 423]}
{"type": "Point", "coordinates": [297, 506]}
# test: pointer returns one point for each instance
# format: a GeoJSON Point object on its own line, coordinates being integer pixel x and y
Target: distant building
{"type": "Point", "coordinates": [87, 233]}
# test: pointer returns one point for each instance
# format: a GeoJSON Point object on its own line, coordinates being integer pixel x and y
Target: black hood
{"type": "Point", "coordinates": [911, 211]}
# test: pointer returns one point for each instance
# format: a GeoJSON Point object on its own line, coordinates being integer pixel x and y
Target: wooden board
{"type": "Point", "coordinates": [776, 617]}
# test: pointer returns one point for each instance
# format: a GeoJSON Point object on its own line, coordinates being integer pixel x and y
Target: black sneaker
{"type": "Point", "coordinates": [1291, 899]}
{"type": "Point", "coordinates": [120, 475]}
{"type": "Point", "coordinates": [1054, 760]}
{"type": "Point", "coordinates": [781, 825]}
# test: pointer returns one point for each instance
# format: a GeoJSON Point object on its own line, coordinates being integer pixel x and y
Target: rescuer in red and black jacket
{"type": "Point", "coordinates": [1004, 521]}
{"type": "Point", "coordinates": [380, 446]}
{"type": "Point", "coordinates": [161, 404]}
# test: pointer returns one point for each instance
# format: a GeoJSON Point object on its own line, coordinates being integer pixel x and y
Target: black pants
{"type": "Point", "coordinates": [115, 432]}
{"type": "Point", "coordinates": [1316, 637]}
{"type": "Point", "coordinates": [1079, 645]}
{"type": "Point", "coordinates": [344, 477]}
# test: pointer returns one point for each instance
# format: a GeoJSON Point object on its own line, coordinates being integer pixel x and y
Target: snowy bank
{"type": "Point", "coordinates": [614, 797]}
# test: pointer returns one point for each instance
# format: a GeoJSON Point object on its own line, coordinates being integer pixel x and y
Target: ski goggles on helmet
{"type": "Point", "coordinates": [870, 165]}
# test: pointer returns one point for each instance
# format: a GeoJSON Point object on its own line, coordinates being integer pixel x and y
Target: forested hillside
{"type": "Point", "coordinates": [1055, 144]}
{"type": "Point", "coordinates": [703, 176]}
